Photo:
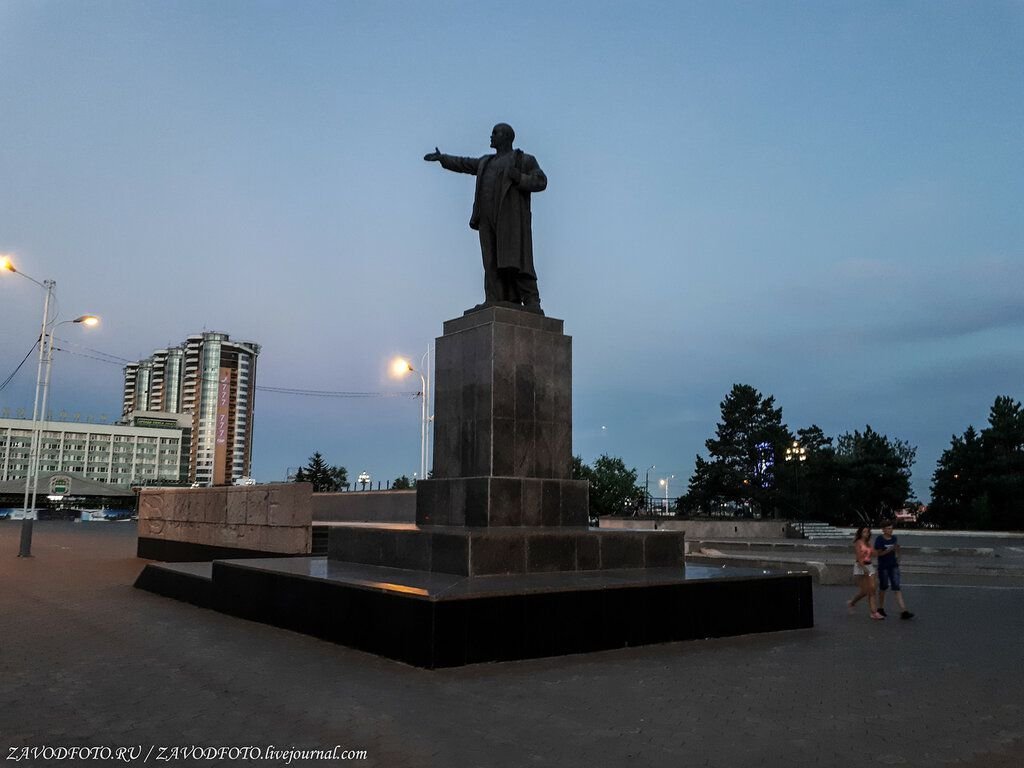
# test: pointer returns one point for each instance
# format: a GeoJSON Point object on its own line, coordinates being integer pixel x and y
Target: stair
{"type": "Point", "coordinates": [813, 529]}
{"type": "Point", "coordinates": [319, 543]}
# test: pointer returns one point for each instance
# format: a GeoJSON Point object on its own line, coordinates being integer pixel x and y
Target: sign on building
{"type": "Point", "coordinates": [60, 485]}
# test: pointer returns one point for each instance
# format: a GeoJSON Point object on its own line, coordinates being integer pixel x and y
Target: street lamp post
{"type": "Point", "coordinates": [664, 484]}
{"type": "Point", "coordinates": [88, 320]}
{"type": "Point", "coordinates": [45, 363]}
{"type": "Point", "coordinates": [797, 453]}
{"type": "Point", "coordinates": [399, 367]}
{"type": "Point", "coordinates": [647, 489]}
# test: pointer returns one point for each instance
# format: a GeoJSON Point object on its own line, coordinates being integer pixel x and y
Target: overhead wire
{"type": "Point", "coordinates": [14, 373]}
{"type": "Point", "coordinates": [273, 390]}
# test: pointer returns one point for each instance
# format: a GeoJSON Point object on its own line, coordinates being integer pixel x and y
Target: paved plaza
{"type": "Point", "coordinates": [87, 659]}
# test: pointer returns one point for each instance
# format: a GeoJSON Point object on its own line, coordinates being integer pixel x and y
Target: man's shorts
{"type": "Point", "coordinates": [889, 576]}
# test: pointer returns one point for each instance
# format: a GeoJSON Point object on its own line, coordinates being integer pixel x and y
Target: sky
{"type": "Point", "coordinates": [822, 200]}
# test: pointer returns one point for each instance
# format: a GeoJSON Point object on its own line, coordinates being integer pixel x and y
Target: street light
{"type": "Point", "coordinates": [797, 453]}
{"type": "Point", "coordinates": [38, 407]}
{"type": "Point", "coordinates": [664, 484]}
{"type": "Point", "coordinates": [400, 367]}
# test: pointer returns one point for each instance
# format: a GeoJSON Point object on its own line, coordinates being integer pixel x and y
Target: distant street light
{"type": "Point", "coordinates": [664, 484]}
{"type": "Point", "coordinates": [39, 407]}
{"type": "Point", "coordinates": [400, 367]}
{"type": "Point", "coordinates": [363, 479]}
{"type": "Point", "coordinates": [797, 453]}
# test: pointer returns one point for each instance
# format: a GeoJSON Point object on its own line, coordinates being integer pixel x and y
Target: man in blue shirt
{"type": "Point", "coordinates": [888, 550]}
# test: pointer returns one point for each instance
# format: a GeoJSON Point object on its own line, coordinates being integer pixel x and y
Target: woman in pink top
{"type": "Point", "coordinates": [864, 571]}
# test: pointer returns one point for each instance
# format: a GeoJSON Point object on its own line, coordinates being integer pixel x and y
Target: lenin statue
{"type": "Point", "coordinates": [501, 214]}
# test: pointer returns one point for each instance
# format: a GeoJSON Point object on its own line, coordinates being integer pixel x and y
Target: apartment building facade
{"type": "Point", "coordinates": [212, 379]}
{"type": "Point", "coordinates": [116, 454]}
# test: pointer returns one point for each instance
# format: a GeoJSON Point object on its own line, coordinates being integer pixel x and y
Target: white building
{"type": "Point", "coordinates": [107, 453]}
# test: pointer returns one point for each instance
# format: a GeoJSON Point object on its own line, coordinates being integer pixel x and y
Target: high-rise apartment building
{"type": "Point", "coordinates": [213, 379]}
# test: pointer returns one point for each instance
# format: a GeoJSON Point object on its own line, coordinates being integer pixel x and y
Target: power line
{"type": "Point", "coordinates": [272, 390]}
{"type": "Point", "coordinates": [325, 393]}
{"type": "Point", "coordinates": [14, 373]}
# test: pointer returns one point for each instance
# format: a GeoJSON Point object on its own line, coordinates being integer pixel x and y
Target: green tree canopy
{"type": "Point", "coordinates": [339, 475]}
{"type": "Point", "coordinates": [324, 477]}
{"type": "Point", "coordinates": [750, 440]}
{"type": "Point", "coordinates": [979, 480]}
{"type": "Point", "coordinates": [613, 488]}
{"type": "Point", "coordinates": [873, 474]}
{"type": "Point", "coordinates": [864, 476]}
{"type": "Point", "coordinates": [403, 483]}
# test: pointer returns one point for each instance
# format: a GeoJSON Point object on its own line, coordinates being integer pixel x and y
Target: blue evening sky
{"type": "Point", "coordinates": [820, 199]}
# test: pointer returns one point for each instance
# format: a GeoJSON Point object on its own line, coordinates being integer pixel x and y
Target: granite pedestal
{"type": "Point", "coordinates": [502, 499]}
{"type": "Point", "coordinates": [502, 425]}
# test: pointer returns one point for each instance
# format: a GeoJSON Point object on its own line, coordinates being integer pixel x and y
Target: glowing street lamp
{"type": "Point", "coordinates": [399, 368]}
{"type": "Point", "coordinates": [664, 484]}
{"type": "Point", "coordinates": [797, 453]}
{"type": "Point", "coordinates": [38, 408]}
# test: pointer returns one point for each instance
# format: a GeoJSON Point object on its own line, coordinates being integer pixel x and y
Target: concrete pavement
{"type": "Point", "coordinates": [87, 659]}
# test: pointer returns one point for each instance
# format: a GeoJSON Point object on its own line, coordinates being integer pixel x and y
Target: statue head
{"type": "Point", "coordinates": [502, 136]}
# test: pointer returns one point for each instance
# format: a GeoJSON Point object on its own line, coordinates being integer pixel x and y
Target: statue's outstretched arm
{"type": "Point", "coordinates": [452, 162]}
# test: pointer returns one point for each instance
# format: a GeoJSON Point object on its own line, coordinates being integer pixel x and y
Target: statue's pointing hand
{"type": "Point", "coordinates": [432, 157]}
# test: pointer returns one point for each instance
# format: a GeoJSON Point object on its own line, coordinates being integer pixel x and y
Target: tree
{"type": "Point", "coordinates": [613, 488]}
{"type": "Point", "coordinates": [339, 477]}
{"type": "Point", "coordinates": [979, 480]}
{"type": "Point", "coordinates": [957, 484]}
{"type": "Point", "coordinates": [749, 441]}
{"type": "Point", "coordinates": [323, 477]}
{"type": "Point", "coordinates": [1003, 446]}
{"type": "Point", "coordinates": [403, 483]}
{"type": "Point", "coordinates": [873, 474]}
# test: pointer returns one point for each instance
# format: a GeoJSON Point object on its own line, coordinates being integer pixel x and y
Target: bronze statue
{"type": "Point", "coordinates": [501, 214]}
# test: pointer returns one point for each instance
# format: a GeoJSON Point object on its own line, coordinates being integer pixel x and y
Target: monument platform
{"type": "Point", "coordinates": [432, 619]}
{"type": "Point", "coordinates": [501, 563]}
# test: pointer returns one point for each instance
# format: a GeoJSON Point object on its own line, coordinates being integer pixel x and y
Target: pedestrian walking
{"type": "Point", "coordinates": [864, 571]}
{"type": "Point", "coordinates": [887, 547]}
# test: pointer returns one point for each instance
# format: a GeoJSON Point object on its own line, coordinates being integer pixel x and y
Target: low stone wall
{"type": "Point", "coordinates": [709, 529]}
{"type": "Point", "coordinates": [365, 507]}
{"type": "Point", "coordinates": [273, 519]}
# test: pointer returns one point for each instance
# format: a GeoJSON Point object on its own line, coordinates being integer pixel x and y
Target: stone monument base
{"type": "Point", "coordinates": [496, 551]}
{"type": "Point", "coordinates": [442, 620]}
{"type": "Point", "coordinates": [502, 501]}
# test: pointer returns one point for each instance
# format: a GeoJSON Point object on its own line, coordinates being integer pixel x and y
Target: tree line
{"type": "Point", "coordinates": [756, 466]}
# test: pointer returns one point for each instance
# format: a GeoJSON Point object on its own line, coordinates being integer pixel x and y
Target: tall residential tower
{"type": "Point", "coordinates": [213, 379]}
